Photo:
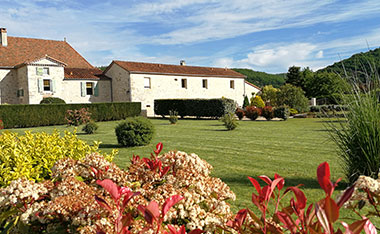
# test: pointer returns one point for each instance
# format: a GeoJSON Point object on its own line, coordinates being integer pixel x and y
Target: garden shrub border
{"type": "Point", "coordinates": [214, 108]}
{"type": "Point", "coordinates": [34, 115]}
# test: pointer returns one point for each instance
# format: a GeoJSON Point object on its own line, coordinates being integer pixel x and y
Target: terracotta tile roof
{"type": "Point", "coordinates": [154, 68]}
{"type": "Point", "coordinates": [257, 87]}
{"type": "Point", "coordinates": [23, 50]}
{"type": "Point", "coordinates": [83, 73]}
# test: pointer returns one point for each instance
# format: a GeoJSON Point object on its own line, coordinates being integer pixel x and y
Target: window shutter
{"type": "Point", "coordinates": [53, 86]}
{"type": "Point", "coordinates": [40, 85]}
{"type": "Point", "coordinates": [83, 89]}
{"type": "Point", "coordinates": [96, 90]}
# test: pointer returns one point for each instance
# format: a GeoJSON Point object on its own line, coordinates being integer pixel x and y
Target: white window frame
{"type": "Point", "coordinates": [42, 71]}
{"type": "Point", "coordinates": [92, 88]}
{"type": "Point", "coordinates": [147, 83]}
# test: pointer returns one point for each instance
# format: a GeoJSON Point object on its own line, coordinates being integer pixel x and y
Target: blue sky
{"type": "Point", "coordinates": [264, 35]}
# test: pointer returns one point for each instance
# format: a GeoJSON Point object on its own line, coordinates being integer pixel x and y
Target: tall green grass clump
{"type": "Point", "coordinates": [358, 138]}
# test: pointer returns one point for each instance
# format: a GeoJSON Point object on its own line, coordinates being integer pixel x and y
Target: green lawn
{"type": "Point", "coordinates": [292, 148]}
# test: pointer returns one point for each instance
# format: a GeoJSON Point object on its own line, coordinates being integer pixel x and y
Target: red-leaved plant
{"type": "Point", "coordinates": [295, 218]}
{"type": "Point", "coordinates": [122, 221]}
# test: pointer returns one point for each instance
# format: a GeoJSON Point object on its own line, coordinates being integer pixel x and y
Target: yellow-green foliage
{"type": "Point", "coordinates": [257, 101]}
{"type": "Point", "coordinates": [31, 156]}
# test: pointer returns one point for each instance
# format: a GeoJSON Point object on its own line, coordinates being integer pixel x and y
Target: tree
{"type": "Point", "coordinates": [246, 102]}
{"type": "Point", "coordinates": [293, 96]}
{"type": "Point", "coordinates": [326, 85]}
{"type": "Point", "coordinates": [257, 101]}
{"type": "Point", "coordinates": [293, 76]}
{"type": "Point", "coordinates": [269, 94]}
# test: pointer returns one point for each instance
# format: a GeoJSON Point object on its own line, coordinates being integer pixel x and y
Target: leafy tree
{"type": "Point", "coordinates": [326, 85]}
{"type": "Point", "coordinates": [246, 102]}
{"type": "Point", "coordinates": [257, 101]}
{"type": "Point", "coordinates": [293, 96]}
{"type": "Point", "coordinates": [269, 94]}
{"type": "Point", "coordinates": [293, 76]}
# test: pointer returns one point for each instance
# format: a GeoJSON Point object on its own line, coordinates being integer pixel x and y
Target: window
{"type": "Point", "coordinates": [204, 84]}
{"type": "Point", "coordinates": [47, 85]}
{"type": "Point", "coordinates": [147, 82]}
{"type": "Point", "coordinates": [89, 88]}
{"type": "Point", "coordinates": [184, 83]}
{"type": "Point", "coordinates": [42, 71]}
{"type": "Point", "coordinates": [232, 84]}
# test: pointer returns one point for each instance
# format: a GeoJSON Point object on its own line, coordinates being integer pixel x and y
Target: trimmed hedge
{"type": "Point", "coordinates": [20, 116]}
{"type": "Point", "coordinates": [195, 107]}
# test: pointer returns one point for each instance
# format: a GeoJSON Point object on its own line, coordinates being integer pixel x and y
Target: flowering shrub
{"type": "Point", "coordinates": [267, 112]}
{"type": "Point", "coordinates": [296, 217]}
{"type": "Point", "coordinates": [239, 113]}
{"type": "Point", "coordinates": [122, 196]}
{"type": "Point", "coordinates": [252, 112]}
{"type": "Point", "coordinates": [77, 117]}
{"type": "Point", "coordinates": [35, 153]}
{"type": "Point", "coordinates": [257, 101]}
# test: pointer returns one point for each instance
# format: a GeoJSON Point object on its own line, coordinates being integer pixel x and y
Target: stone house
{"type": "Point", "coordinates": [145, 82]}
{"type": "Point", "coordinates": [31, 69]}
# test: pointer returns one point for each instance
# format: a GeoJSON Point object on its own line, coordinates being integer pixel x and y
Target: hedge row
{"type": "Point", "coordinates": [18, 116]}
{"type": "Point", "coordinates": [195, 107]}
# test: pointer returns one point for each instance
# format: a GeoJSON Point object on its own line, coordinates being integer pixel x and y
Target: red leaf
{"type": "Point", "coordinates": [103, 203]}
{"type": "Point", "coordinates": [171, 201]}
{"type": "Point", "coordinates": [151, 212]}
{"type": "Point", "coordinates": [255, 184]}
{"type": "Point", "coordinates": [369, 228]}
{"type": "Point", "coordinates": [196, 231]}
{"type": "Point", "coordinates": [322, 218]}
{"type": "Point", "coordinates": [356, 227]}
{"type": "Point", "coordinates": [266, 179]}
{"type": "Point", "coordinates": [110, 187]}
{"type": "Point", "coordinates": [158, 148]}
{"type": "Point", "coordinates": [346, 196]}
{"type": "Point", "coordinates": [172, 229]}
{"type": "Point", "coordinates": [331, 209]}
{"type": "Point", "coordinates": [240, 217]}
{"type": "Point", "coordinates": [165, 170]}
{"type": "Point", "coordinates": [148, 163]}
{"type": "Point", "coordinates": [128, 197]}
{"type": "Point", "coordinates": [182, 230]}
{"type": "Point", "coordinates": [280, 185]}
{"type": "Point", "coordinates": [323, 174]}
{"type": "Point", "coordinates": [287, 221]}
{"type": "Point", "coordinates": [300, 196]}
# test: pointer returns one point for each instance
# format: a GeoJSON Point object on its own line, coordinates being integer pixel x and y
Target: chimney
{"type": "Point", "coordinates": [182, 63]}
{"type": "Point", "coordinates": [3, 37]}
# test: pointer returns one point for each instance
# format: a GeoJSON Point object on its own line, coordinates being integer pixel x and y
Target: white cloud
{"type": "Point", "coordinates": [319, 54]}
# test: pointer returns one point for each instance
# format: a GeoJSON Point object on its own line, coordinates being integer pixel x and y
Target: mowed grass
{"type": "Point", "coordinates": [292, 148]}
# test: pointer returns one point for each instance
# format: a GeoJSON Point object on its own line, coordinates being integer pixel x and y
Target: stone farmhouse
{"type": "Point", "coordinates": [32, 69]}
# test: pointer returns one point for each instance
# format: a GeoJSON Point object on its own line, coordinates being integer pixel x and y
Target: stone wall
{"type": "Point", "coordinates": [121, 90]}
{"type": "Point", "coordinates": [8, 86]}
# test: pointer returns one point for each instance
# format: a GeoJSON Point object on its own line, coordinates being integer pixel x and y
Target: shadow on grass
{"type": "Point", "coordinates": [332, 121]}
{"type": "Point", "coordinates": [110, 146]}
{"type": "Point", "coordinates": [307, 183]}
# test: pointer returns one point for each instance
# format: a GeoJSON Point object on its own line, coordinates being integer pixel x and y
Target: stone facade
{"type": "Point", "coordinates": [8, 86]}
{"type": "Point", "coordinates": [145, 88]}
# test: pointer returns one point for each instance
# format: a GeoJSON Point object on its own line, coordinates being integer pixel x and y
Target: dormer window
{"type": "Point", "coordinates": [40, 71]}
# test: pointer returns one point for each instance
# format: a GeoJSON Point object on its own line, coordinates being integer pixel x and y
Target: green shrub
{"type": "Point", "coordinates": [257, 101]}
{"type": "Point", "coordinates": [294, 97]}
{"type": "Point", "coordinates": [239, 113]}
{"type": "Point", "coordinates": [252, 112]}
{"type": "Point", "coordinates": [134, 131]}
{"type": "Point", "coordinates": [282, 112]}
{"type": "Point", "coordinates": [173, 118]}
{"type": "Point", "coordinates": [358, 138]}
{"type": "Point", "coordinates": [246, 102]}
{"type": "Point", "coordinates": [31, 156]}
{"type": "Point", "coordinates": [21, 116]}
{"type": "Point", "coordinates": [52, 100]}
{"type": "Point", "coordinates": [267, 112]}
{"type": "Point", "coordinates": [229, 121]}
{"type": "Point", "coordinates": [90, 127]}
{"type": "Point", "coordinates": [77, 117]}
{"type": "Point", "coordinates": [195, 107]}
{"type": "Point", "coordinates": [293, 111]}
